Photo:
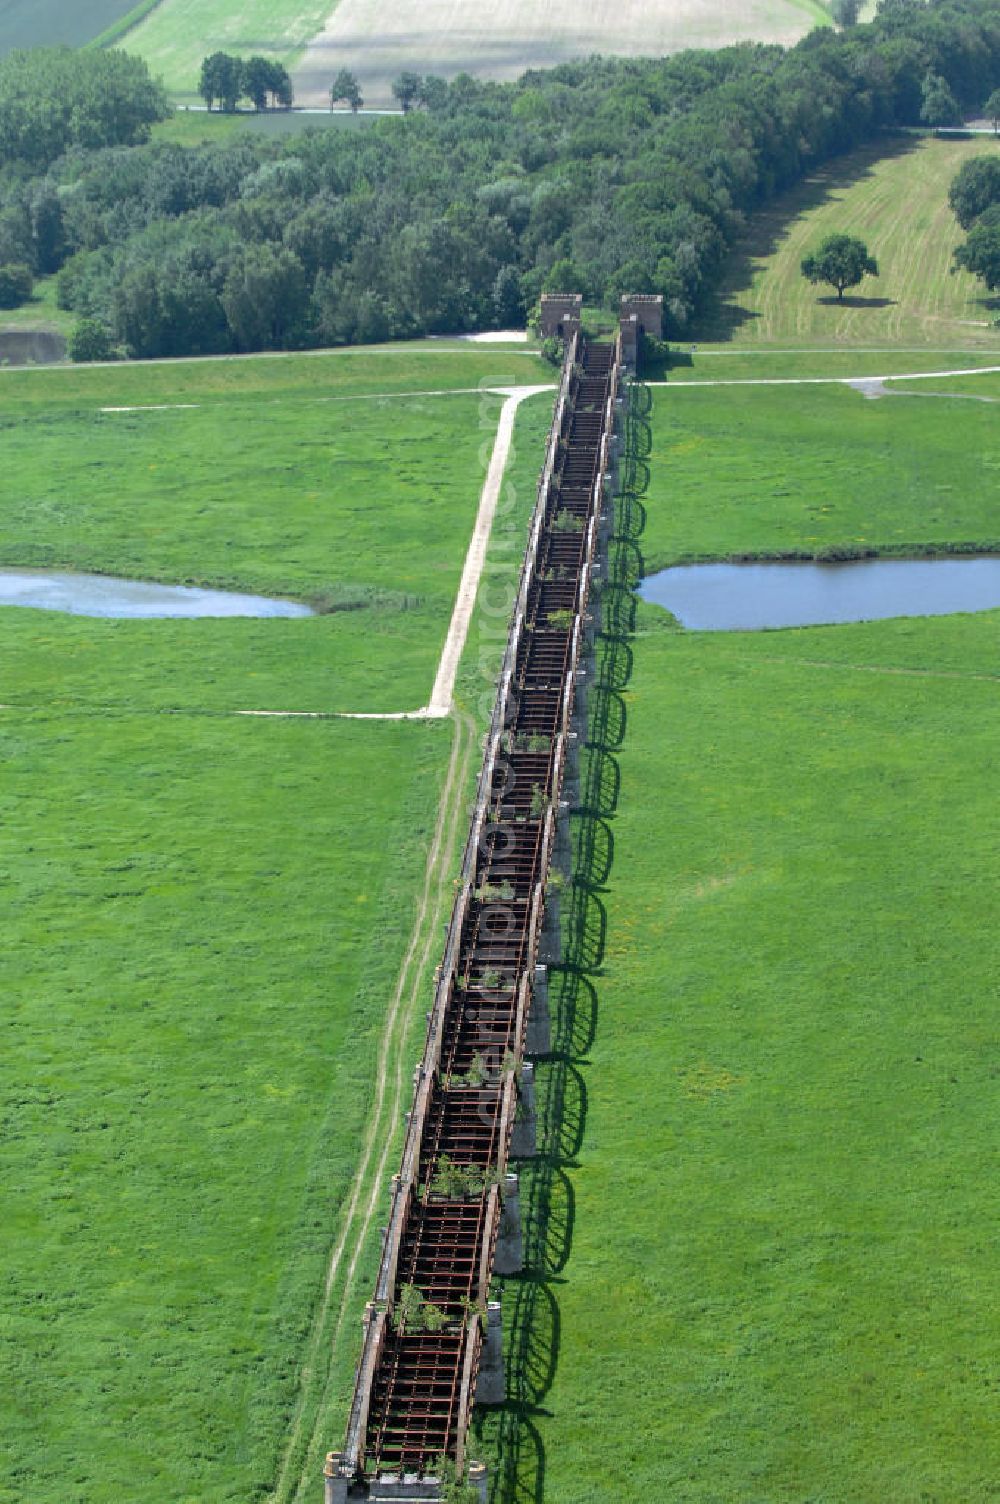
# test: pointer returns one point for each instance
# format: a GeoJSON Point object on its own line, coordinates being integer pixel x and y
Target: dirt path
{"type": "Point", "coordinates": [858, 382]}
{"type": "Point", "coordinates": [391, 1083]}
{"type": "Point", "coordinates": [443, 691]}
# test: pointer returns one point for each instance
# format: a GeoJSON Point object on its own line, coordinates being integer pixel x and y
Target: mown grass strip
{"type": "Point", "coordinates": [894, 195]}
{"type": "Point", "coordinates": [118, 30]}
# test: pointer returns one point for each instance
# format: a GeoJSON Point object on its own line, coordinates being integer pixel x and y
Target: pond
{"type": "Point", "coordinates": [751, 597]}
{"type": "Point", "coordinates": [102, 595]}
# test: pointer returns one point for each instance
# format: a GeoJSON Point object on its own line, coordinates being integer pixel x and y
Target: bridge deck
{"type": "Point", "coordinates": [415, 1385]}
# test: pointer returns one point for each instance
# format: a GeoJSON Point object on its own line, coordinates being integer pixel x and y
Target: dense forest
{"type": "Point", "coordinates": [607, 175]}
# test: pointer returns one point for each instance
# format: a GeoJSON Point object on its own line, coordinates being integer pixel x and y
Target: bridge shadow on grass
{"type": "Point", "coordinates": [508, 1435]}
{"type": "Point", "coordinates": [724, 311]}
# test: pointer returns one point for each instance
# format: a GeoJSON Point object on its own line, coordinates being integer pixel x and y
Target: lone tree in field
{"type": "Point", "coordinates": [346, 87]}
{"type": "Point", "coordinates": [406, 88]}
{"type": "Point", "coordinates": [841, 261]}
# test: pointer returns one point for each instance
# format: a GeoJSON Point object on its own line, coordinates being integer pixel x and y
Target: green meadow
{"type": "Point", "coordinates": [204, 919]}
{"type": "Point", "coordinates": [734, 364]}
{"type": "Point", "coordinates": [349, 373]}
{"type": "Point", "coordinates": [208, 915]}
{"type": "Point", "coordinates": [761, 1258]}
{"type": "Point", "coordinates": [177, 34]}
{"type": "Point", "coordinates": [267, 481]}
{"type": "Point", "coordinates": [779, 1278]}
{"type": "Point", "coordinates": [761, 470]}
{"type": "Point", "coordinates": [45, 23]}
{"type": "Point", "coordinates": [200, 127]}
{"type": "Point", "coordinates": [894, 195]}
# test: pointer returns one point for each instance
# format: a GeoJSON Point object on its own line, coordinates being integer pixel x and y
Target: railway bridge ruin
{"type": "Point", "coordinates": [432, 1335]}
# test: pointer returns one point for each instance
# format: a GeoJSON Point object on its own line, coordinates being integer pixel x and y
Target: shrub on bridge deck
{"type": "Point", "coordinates": [454, 1182]}
{"type": "Point", "coordinates": [412, 1312]}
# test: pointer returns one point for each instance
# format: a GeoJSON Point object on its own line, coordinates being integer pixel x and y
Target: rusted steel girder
{"type": "Point", "coordinates": [424, 1332]}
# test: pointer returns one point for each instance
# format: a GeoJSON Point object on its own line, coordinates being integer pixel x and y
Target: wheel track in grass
{"type": "Point", "coordinates": [295, 1473]}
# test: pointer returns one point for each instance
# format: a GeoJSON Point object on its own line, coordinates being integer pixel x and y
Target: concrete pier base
{"type": "Point", "coordinates": [562, 842]}
{"type": "Point", "coordinates": [391, 1488]}
{"type": "Point", "coordinates": [491, 1386]}
{"type": "Point", "coordinates": [550, 940]}
{"type": "Point", "coordinates": [571, 773]}
{"type": "Point", "coordinates": [524, 1139]}
{"type": "Point", "coordinates": [335, 1487]}
{"type": "Point", "coordinates": [582, 685]}
{"type": "Point", "coordinates": [509, 1257]}
{"type": "Point", "coordinates": [538, 1034]}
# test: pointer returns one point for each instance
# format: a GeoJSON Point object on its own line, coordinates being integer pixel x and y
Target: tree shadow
{"type": "Point", "coordinates": [656, 367]}
{"type": "Point", "coordinates": [531, 1314]}
{"type": "Point", "coordinates": [723, 312]}
{"type": "Point", "coordinates": [855, 302]}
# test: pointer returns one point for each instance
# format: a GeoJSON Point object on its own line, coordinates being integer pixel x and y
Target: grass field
{"type": "Point", "coordinates": [897, 201]}
{"type": "Point", "coordinates": [203, 923]}
{"type": "Point", "coordinates": [778, 1287]}
{"type": "Point", "coordinates": [502, 41]}
{"type": "Point", "coordinates": [757, 363]}
{"type": "Point", "coordinates": [207, 915]}
{"type": "Point", "coordinates": [178, 34]}
{"type": "Point", "coordinates": [107, 493]}
{"type": "Point", "coordinates": [763, 1269]}
{"type": "Point", "coordinates": [43, 23]}
{"type": "Point", "coordinates": [281, 496]}
{"type": "Point", "coordinates": [325, 376]}
{"type": "Point", "coordinates": [442, 36]}
{"type": "Point", "coordinates": [772, 470]}
{"type": "Point", "coordinates": [204, 127]}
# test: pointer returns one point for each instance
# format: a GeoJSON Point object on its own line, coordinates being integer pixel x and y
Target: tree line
{"type": "Point", "coordinates": [55, 98]}
{"type": "Point", "coordinates": [224, 80]}
{"type": "Point", "coordinates": [604, 176]}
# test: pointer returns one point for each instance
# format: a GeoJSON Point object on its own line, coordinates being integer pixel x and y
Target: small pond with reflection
{"type": "Point", "coordinates": [103, 595]}
{"type": "Point", "coordinates": [751, 597]}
